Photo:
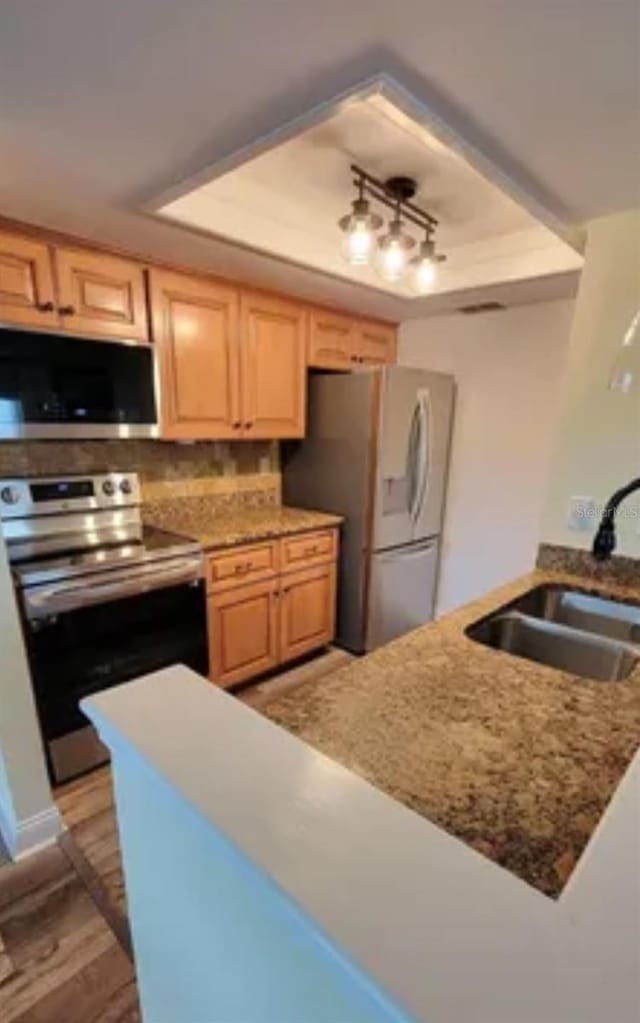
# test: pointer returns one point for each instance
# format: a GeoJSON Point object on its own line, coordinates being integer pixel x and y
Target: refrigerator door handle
{"type": "Point", "coordinates": [409, 553]}
{"type": "Point", "coordinates": [424, 459]}
{"type": "Point", "coordinates": [412, 449]}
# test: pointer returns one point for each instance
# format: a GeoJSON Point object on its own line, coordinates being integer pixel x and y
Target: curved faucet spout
{"type": "Point", "coordinates": [604, 542]}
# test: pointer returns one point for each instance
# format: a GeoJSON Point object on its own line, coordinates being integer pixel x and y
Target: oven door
{"type": "Point", "coordinates": [79, 651]}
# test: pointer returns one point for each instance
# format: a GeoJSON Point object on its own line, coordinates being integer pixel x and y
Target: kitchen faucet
{"type": "Point", "coordinates": [604, 542]}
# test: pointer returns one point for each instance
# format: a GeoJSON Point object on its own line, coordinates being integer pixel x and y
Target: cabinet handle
{"type": "Point", "coordinates": [44, 307]}
{"type": "Point", "coordinates": [67, 310]}
{"type": "Point", "coordinates": [243, 567]}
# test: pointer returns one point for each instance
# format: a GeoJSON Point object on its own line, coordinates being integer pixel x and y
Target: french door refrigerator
{"type": "Point", "coordinates": [377, 452]}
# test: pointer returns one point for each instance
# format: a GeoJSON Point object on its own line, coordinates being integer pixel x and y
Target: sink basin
{"type": "Point", "coordinates": [594, 614]}
{"type": "Point", "coordinates": [559, 646]}
{"type": "Point", "coordinates": [594, 637]}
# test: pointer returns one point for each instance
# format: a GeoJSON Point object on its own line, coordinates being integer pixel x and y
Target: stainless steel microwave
{"type": "Point", "coordinates": [53, 386]}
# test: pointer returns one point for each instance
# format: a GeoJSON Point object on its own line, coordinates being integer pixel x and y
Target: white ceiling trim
{"type": "Point", "coordinates": [422, 114]}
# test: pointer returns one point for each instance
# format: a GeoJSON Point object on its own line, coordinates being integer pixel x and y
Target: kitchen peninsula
{"type": "Point", "coordinates": [517, 759]}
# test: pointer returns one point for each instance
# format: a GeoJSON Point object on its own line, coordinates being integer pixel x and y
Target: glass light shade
{"type": "Point", "coordinates": [424, 268]}
{"type": "Point", "coordinates": [423, 275]}
{"type": "Point", "coordinates": [358, 244]}
{"type": "Point", "coordinates": [392, 259]}
{"type": "Point", "coordinates": [359, 228]}
{"type": "Point", "coordinates": [625, 376]}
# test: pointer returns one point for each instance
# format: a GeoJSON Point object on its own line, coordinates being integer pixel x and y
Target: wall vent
{"type": "Point", "coordinates": [481, 307]}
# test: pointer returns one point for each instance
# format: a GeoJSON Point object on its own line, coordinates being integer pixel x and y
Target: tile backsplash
{"type": "Point", "coordinates": [245, 473]}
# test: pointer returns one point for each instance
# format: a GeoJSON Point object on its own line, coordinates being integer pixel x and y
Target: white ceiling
{"type": "Point", "coordinates": [102, 105]}
{"type": "Point", "coordinates": [287, 198]}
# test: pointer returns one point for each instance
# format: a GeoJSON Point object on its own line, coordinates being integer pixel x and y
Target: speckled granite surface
{"type": "Point", "coordinates": [556, 558]}
{"type": "Point", "coordinates": [514, 758]}
{"type": "Point", "coordinates": [203, 519]}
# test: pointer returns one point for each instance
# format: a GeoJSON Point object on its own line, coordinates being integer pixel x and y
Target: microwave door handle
{"type": "Point", "coordinates": [57, 599]}
{"type": "Point", "coordinates": [423, 452]}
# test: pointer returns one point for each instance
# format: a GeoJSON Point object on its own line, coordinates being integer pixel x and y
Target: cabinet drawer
{"type": "Point", "coordinates": [309, 549]}
{"type": "Point", "coordinates": [241, 564]}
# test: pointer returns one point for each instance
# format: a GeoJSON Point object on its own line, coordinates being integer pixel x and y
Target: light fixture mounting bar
{"type": "Point", "coordinates": [379, 191]}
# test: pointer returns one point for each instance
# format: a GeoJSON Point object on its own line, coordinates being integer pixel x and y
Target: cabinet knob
{"type": "Point", "coordinates": [248, 424]}
{"type": "Point", "coordinates": [67, 310]}
{"type": "Point", "coordinates": [236, 425]}
{"type": "Point", "coordinates": [44, 307]}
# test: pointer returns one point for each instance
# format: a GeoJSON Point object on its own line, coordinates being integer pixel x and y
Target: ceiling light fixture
{"type": "Point", "coordinates": [392, 249]}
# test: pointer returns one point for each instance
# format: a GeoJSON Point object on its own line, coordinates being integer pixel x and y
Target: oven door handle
{"type": "Point", "coordinates": [51, 600]}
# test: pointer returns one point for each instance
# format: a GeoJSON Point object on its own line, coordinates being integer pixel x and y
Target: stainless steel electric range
{"type": "Point", "coordinates": [103, 598]}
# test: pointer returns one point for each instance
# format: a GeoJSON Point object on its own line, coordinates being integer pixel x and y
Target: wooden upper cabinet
{"type": "Point", "coordinates": [375, 343]}
{"type": "Point", "coordinates": [26, 282]}
{"type": "Point", "coordinates": [273, 368]}
{"type": "Point", "coordinates": [331, 340]}
{"type": "Point", "coordinates": [342, 342]}
{"type": "Point", "coordinates": [101, 295]}
{"type": "Point", "coordinates": [195, 328]}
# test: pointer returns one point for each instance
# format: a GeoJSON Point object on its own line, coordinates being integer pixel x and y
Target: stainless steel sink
{"type": "Point", "coordinates": [586, 611]}
{"type": "Point", "coordinates": [587, 635]}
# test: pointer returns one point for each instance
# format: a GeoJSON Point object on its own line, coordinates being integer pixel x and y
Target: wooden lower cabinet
{"type": "Point", "coordinates": [243, 632]}
{"type": "Point", "coordinates": [254, 626]}
{"type": "Point", "coordinates": [307, 610]}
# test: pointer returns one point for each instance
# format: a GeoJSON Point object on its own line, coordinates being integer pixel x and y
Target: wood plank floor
{"type": "Point", "coordinates": [60, 962]}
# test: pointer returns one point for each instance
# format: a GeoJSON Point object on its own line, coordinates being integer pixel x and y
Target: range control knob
{"type": "Point", "coordinates": [125, 486]}
{"type": "Point", "coordinates": [9, 495]}
{"type": "Point", "coordinates": [108, 488]}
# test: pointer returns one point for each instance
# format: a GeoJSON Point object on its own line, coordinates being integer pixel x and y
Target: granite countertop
{"type": "Point", "coordinates": [517, 759]}
{"type": "Point", "coordinates": [195, 518]}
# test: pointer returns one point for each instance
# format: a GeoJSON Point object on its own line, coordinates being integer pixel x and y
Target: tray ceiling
{"type": "Point", "coordinates": [285, 195]}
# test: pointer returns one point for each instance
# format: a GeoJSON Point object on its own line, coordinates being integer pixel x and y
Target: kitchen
{"type": "Point", "coordinates": [238, 473]}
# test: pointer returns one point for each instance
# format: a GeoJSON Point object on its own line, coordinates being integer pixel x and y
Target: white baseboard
{"type": "Point", "coordinates": [31, 834]}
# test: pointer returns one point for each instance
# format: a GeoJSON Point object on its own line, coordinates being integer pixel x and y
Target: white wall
{"type": "Point", "coordinates": [508, 366]}
{"type": "Point", "coordinates": [28, 818]}
{"type": "Point", "coordinates": [598, 442]}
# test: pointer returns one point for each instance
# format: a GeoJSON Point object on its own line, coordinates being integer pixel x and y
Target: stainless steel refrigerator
{"type": "Point", "coordinates": [377, 452]}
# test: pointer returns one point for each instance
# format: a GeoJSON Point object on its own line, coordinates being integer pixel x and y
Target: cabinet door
{"type": "Point", "coordinates": [195, 329]}
{"type": "Point", "coordinates": [307, 610]}
{"type": "Point", "coordinates": [331, 340]}
{"type": "Point", "coordinates": [26, 282]}
{"type": "Point", "coordinates": [375, 343]}
{"type": "Point", "coordinates": [273, 347]}
{"type": "Point", "coordinates": [101, 295]}
{"type": "Point", "coordinates": [243, 632]}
